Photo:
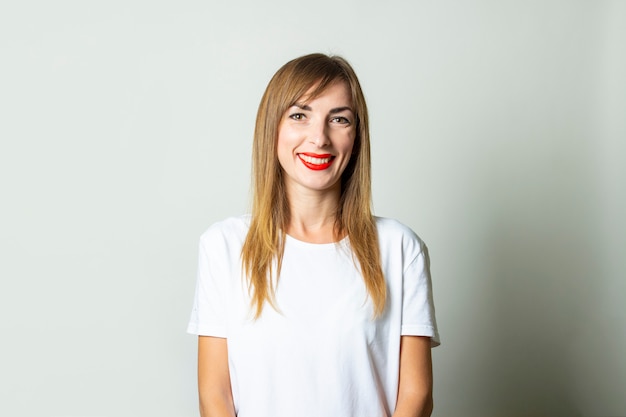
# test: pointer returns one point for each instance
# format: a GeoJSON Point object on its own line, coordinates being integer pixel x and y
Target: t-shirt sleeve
{"type": "Point", "coordinates": [418, 309]}
{"type": "Point", "coordinates": [208, 316]}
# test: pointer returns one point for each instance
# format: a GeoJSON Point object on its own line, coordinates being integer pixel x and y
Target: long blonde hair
{"type": "Point", "coordinates": [263, 248]}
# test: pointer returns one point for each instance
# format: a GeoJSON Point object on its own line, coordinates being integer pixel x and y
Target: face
{"type": "Point", "coordinates": [315, 140]}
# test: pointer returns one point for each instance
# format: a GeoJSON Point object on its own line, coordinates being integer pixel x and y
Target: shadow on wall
{"type": "Point", "coordinates": [544, 274]}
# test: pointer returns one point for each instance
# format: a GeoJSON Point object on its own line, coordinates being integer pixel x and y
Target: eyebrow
{"type": "Point", "coordinates": [340, 109]}
{"type": "Point", "coordinates": [332, 111]}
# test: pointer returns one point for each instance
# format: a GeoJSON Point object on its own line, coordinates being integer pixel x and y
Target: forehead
{"type": "Point", "coordinates": [337, 90]}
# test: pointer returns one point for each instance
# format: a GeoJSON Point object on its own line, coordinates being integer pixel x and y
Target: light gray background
{"type": "Point", "coordinates": [499, 135]}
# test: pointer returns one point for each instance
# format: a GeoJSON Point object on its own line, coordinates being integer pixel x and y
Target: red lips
{"type": "Point", "coordinates": [314, 165]}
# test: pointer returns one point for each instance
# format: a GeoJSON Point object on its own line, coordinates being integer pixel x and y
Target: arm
{"type": "Point", "coordinates": [216, 399]}
{"type": "Point", "coordinates": [415, 388]}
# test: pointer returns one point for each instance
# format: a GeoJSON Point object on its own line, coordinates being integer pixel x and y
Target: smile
{"type": "Point", "coordinates": [316, 162]}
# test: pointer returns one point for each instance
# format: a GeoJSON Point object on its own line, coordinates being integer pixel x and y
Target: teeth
{"type": "Point", "coordinates": [312, 160]}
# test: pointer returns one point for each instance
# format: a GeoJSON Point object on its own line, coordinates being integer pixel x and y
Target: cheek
{"type": "Point", "coordinates": [348, 150]}
{"type": "Point", "coordinates": [350, 145]}
{"type": "Point", "coordinates": [286, 138]}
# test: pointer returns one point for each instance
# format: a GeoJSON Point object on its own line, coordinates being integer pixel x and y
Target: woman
{"type": "Point", "coordinates": [311, 306]}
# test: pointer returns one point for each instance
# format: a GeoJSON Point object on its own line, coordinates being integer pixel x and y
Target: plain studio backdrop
{"type": "Point", "coordinates": [498, 135]}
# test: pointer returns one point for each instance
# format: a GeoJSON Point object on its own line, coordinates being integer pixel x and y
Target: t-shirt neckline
{"type": "Point", "coordinates": [297, 242]}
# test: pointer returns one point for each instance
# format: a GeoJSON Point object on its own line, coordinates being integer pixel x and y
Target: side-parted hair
{"type": "Point", "coordinates": [263, 248]}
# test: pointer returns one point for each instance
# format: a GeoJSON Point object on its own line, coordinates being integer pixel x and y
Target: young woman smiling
{"type": "Point", "coordinates": [312, 306]}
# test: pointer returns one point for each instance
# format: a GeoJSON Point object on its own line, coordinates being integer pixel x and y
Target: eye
{"type": "Point", "coordinates": [341, 120]}
{"type": "Point", "coordinates": [296, 116]}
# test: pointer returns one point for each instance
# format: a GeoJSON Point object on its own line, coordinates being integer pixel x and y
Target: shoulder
{"type": "Point", "coordinates": [393, 229]}
{"type": "Point", "coordinates": [391, 232]}
{"type": "Point", "coordinates": [226, 233]}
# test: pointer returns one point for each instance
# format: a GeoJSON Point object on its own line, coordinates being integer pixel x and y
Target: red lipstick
{"type": "Point", "coordinates": [315, 161]}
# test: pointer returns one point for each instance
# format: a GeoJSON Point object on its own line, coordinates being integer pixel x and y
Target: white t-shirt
{"type": "Point", "coordinates": [322, 354]}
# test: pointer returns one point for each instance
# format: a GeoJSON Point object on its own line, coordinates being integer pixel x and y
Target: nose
{"type": "Point", "coordinates": [319, 134]}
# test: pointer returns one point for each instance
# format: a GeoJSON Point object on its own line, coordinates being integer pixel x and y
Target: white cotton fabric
{"type": "Point", "coordinates": [322, 354]}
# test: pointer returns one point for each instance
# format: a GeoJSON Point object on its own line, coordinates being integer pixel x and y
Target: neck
{"type": "Point", "coordinates": [312, 215]}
